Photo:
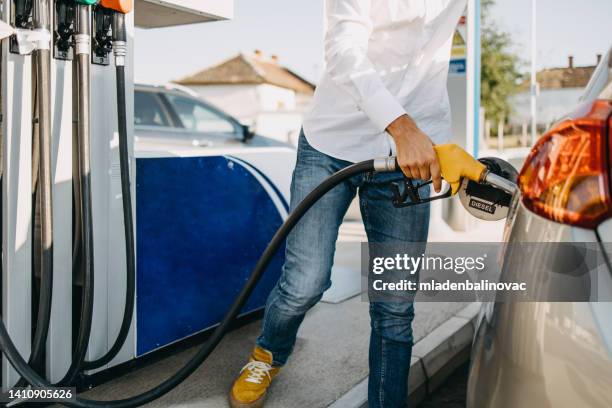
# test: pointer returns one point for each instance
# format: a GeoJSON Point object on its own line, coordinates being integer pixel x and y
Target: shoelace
{"type": "Point", "coordinates": [257, 371]}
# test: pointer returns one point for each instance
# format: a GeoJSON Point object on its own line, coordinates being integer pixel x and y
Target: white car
{"type": "Point", "coordinates": [170, 116]}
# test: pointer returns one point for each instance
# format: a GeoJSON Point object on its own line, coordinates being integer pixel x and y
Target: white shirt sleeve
{"type": "Point", "coordinates": [347, 63]}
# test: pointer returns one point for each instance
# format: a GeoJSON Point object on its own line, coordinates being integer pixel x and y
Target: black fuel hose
{"type": "Point", "coordinates": [119, 45]}
{"type": "Point", "coordinates": [8, 347]}
{"type": "Point", "coordinates": [40, 18]}
{"type": "Point", "coordinates": [82, 46]}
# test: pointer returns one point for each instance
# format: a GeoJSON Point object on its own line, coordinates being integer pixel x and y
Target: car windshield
{"type": "Point", "coordinates": [198, 117]}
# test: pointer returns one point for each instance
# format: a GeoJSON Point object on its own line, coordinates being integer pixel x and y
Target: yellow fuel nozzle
{"type": "Point", "coordinates": [457, 166]}
{"type": "Point", "coordinates": [456, 163]}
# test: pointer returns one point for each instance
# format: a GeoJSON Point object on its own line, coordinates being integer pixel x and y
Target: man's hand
{"type": "Point", "coordinates": [415, 153]}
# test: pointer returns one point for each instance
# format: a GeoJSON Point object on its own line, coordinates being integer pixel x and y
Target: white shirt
{"type": "Point", "coordinates": [384, 58]}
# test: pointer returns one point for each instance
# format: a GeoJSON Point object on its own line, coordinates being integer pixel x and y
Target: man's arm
{"type": "Point", "coordinates": [346, 46]}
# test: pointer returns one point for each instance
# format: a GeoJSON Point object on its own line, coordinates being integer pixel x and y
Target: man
{"type": "Point", "coordinates": [383, 92]}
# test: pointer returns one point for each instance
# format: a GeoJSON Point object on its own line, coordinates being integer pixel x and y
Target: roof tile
{"type": "Point", "coordinates": [243, 69]}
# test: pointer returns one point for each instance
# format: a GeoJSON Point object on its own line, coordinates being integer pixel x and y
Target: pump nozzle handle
{"type": "Point", "coordinates": [455, 164]}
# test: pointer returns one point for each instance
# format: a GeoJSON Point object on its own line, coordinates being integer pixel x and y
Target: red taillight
{"type": "Point", "coordinates": [566, 176]}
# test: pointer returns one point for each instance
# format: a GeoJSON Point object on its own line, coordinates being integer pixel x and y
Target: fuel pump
{"type": "Point", "coordinates": [73, 39]}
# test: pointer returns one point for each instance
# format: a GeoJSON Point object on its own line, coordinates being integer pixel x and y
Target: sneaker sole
{"type": "Point", "coordinates": [255, 404]}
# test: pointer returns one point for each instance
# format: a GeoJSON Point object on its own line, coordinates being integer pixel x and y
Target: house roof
{"type": "Point", "coordinates": [243, 69]}
{"type": "Point", "coordinates": [558, 78]}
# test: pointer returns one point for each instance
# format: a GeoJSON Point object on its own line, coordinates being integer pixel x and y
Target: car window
{"type": "Point", "coordinates": [198, 117]}
{"type": "Point", "coordinates": [148, 110]}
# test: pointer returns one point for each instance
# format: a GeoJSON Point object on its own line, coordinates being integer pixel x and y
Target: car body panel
{"type": "Point", "coordinates": [540, 354]}
{"type": "Point", "coordinates": [602, 311]}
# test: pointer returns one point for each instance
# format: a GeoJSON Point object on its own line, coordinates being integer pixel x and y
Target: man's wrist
{"type": "Point", "coordinates": [401, 128]}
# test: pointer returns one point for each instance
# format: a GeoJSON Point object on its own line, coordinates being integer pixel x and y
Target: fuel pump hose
{"type": "Point", "coordinates": [82, 51]}
{"type": "Point", "coordinates": [119, 48]}
{"type": "Point", "coordinates": [40, 15]}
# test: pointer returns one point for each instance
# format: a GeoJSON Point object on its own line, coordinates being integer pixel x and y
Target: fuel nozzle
{"type": "Point", "coordinates": [486, 186]}
{"type": "Point", "coordinates": [22, 13]}
{"type": "Point", "coordinates": [120, 8]}
{"type": "Point", "coordinates": [456, 164]}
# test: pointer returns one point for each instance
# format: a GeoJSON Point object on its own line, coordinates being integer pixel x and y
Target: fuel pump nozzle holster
{"type": "Point", "coordinates": [485, 186]}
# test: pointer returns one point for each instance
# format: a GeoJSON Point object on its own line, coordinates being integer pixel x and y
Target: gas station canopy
{"type": "Point", "coordinates": [166, 13]}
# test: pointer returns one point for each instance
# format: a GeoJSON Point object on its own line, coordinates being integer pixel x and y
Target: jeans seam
{"type": "Point", "coordinates": [366, 219]}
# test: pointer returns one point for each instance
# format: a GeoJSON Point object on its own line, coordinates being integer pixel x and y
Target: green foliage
{"type": "Point", "coordinates": [500, 67]}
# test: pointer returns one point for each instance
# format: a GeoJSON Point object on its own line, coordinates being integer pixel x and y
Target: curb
{"type": "Point", "coordinates": [434, 358]}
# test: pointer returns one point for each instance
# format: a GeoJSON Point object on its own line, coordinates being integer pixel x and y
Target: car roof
{"type": "Point", "coordinates": [174, 88]}
{"type": "Point", "coordinates": [182, 91]}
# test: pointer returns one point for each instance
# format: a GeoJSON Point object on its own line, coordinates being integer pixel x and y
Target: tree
{"type": "Point", "coordinates": [499, 68]}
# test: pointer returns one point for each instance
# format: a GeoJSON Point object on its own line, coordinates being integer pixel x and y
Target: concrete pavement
{"type": "Point", "coordinates": [330, 359]}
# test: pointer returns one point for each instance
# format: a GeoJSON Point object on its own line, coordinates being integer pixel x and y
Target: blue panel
{"type": "Point", "coordinates": [202, 224]}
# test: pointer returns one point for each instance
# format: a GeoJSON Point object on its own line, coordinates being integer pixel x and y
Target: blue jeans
{"type": "Point", "coordinates": [308, 262]}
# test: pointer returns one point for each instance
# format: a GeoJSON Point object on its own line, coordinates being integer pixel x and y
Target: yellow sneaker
{"type": "Point", "coordinates": [250, 388]}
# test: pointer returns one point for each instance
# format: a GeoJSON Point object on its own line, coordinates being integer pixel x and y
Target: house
{"type": "Point", "coordinates": [559, 89]}
{"type": "Point", "coordinates": [257, 90]}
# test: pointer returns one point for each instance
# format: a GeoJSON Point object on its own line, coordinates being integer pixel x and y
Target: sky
{"type": "Point", "coordinates": [564, 27]}
{"type": "Point", "coordinates": [293, 30]}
